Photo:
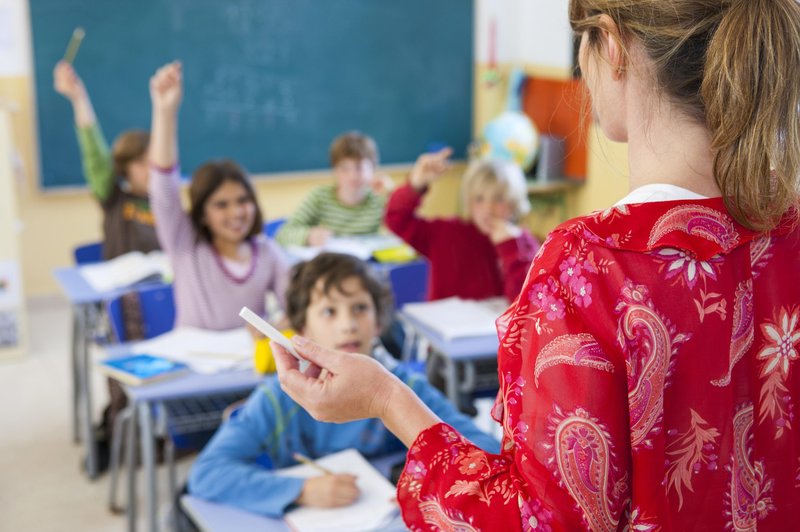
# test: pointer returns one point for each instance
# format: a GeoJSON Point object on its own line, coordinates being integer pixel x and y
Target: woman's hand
{"type": "Point", "coordinates": [329, 491]}
{"type": "Point", "coordinates": [339, 387]}
{"type": "Point", "coordinates": [429, 167]}
{"type": "Point", "coordinates": [166, 88]}
{"type": "Point", "coordinates": [350, 386]}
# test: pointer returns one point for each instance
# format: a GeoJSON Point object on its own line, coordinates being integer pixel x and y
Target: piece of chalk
{"type": "Point", "coordinates": [74, 45]}
{"type": "Point", "coordinates": [274, 334]}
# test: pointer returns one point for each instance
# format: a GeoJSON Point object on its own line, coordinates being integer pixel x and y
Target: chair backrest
{"type": "Point", "coordinates": [409, 282]}
{"type": "Point", "coordinates": [271, 227]}
{"type": "Point", "coordinates": [88, 253]}
{"type": "Point", "coordinates": [157, 309]}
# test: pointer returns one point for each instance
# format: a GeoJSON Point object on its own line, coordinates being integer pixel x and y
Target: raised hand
{"type": "Point", "coordinates": [329, 491]}
{"type": "Point", "coordinates": [429, 167]}
{"type": "Point", "coordinates": [166, 87]}
{"type": "Point", "coordinates": [67, 83]}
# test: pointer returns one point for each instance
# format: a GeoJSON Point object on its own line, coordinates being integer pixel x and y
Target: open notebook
{"type": "Point", "coordinates": [202, 350]}
{"type": "Point", "coordinates": [458, 318]}
{"type": "Point", "coordinates": [126, 270]}
{"type": "Point", "coordinates": [376, 509]}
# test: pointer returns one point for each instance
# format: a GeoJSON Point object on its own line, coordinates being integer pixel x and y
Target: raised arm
{"type": "Point", "coordinates": [166, 92]}
{"type": "Point", "coordinates": [173, 226]}
{"type": "Point", "coordinates": [98, 169]}
{"type": "Point", "coordinates": [401, 210]}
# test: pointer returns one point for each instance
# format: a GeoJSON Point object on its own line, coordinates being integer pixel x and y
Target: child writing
{"type": "Point", "coordinates": [118, 178]}
{"type": "Point", "coordinates": [221, 259]}
{"type": "Point", "coordinates": [351, 206]}
{"type": "Point", "coordinates": [485, 255]}
{"type": "Point", "coordinates": [337, 301]}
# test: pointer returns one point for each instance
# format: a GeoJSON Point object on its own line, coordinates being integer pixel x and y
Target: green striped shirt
{"type": "Point", "coordinates": [322, 207]}
{"type": "Point", "coordinates": [98, 168]}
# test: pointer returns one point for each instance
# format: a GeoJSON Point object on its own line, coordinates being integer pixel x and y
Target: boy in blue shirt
{"type": "Point", "coordinates": [336, 301]}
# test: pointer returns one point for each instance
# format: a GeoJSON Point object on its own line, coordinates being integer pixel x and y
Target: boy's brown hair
{"type": "Point", "coordinates": [353, 145]}
{"type": "Point", "coordinates": [334, 269]}
{"type": "Point", "coordinates": [205, 181]}
{"type": "Point", "coordinates": [128, 147]}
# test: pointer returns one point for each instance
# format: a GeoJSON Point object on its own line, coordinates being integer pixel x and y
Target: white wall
{"type": "Point", "coordinates": [528, 32]}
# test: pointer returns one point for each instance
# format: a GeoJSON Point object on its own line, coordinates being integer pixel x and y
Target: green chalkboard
{"type": "Point", "coordinates": [269, 83]}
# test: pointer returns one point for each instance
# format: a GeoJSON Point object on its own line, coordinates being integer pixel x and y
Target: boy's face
{"type": "Point", "coordinates": [343, 319]}
{"type": "Point", "coordinates": [353, 179]}
{"type": "Point", "coordinates": [487, 205]}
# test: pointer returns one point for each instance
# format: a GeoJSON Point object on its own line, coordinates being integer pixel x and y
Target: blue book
{"type": "Point", "coordinates": [136, 370]}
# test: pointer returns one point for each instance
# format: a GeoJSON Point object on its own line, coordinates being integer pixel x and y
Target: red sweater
{"type": "Point", "coordinates": [464, 262]}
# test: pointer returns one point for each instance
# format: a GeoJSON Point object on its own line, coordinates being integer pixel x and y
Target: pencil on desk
{"type": "Point", "coordinates": [308, 461]}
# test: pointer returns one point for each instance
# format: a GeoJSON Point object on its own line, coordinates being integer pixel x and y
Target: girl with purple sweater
{"type": "Point", "coordinates": [221, 259]}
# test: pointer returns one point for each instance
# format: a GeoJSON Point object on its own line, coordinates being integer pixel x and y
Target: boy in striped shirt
{"type": "Point", "coordinates": [353, 205]}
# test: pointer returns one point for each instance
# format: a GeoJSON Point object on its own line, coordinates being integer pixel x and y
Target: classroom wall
{"type": "Point", "coordinates": [54, 223]}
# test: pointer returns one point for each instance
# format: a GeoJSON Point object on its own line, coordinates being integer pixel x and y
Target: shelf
{"type": "Point", "coordinates": [552, 186]}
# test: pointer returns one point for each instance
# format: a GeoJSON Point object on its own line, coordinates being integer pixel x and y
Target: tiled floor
{"type": "Point", "coordinates": [41, 486]}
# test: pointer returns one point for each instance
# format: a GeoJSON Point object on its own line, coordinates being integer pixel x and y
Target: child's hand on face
{"type": "Point", "coordinates": [66, 81]}
{"type": "Point", "coordinates": [429, 167]}
{"type": "Point", "coordinates": [498, 229]}
{"type": "Point", "coordinates": [329, 491]}
{"type": "Point", "coordinates": [166, 87]}
{"type": "Point", "coordinates": [382, 184]}
{"type": "Point", "coordinates": [318, 235]}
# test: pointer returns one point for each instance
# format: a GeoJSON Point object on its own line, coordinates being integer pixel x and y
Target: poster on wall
{"type": "Point", "coordinates": [10, 303]}
{"type": "Point", "coordinates": [13, 53]}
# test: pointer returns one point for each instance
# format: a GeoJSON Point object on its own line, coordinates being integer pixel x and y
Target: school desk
{"type": "Point", "coordinates": [85, 314]}
{"type": "Point", "coordinates": [143, 398]}
{"type": "Point", "coordinates": [453, 352]}
{"type": "Point", "coordinates": [214, 517]}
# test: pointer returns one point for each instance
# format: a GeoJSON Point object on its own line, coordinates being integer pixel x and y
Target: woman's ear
{"type": "Point", "coordinates": [613, 47]}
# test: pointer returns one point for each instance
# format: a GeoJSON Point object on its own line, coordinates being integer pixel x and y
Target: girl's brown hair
{"type": "Point", "coordinates": [334, 269]}
{"type": "Point", "coordinates": [128, 147]}
{"type": "Point", "coordinates": [205, 181]}
{"type": "Point", "coordinates": [730, 64]}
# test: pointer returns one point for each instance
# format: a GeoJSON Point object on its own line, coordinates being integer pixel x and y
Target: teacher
{"type": "Point", "coordinates": [649, 374]}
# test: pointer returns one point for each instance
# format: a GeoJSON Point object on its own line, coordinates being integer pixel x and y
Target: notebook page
{"type": "Point", "coordinates": [372, 511]}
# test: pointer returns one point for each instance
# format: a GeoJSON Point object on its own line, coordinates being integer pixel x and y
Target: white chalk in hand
{"type": "Point", "coordinates": [274, 334]}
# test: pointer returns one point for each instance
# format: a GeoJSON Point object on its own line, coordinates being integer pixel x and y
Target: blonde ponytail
{"type": "Point", "coordinates": [752, 99]}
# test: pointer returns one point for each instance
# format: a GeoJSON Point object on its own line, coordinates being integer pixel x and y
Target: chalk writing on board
{"type": "Point", "coordinates": [241, 98]}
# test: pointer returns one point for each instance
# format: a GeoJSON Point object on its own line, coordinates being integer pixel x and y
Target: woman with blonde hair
{"type": "Point", "coordinates": [648, 369]}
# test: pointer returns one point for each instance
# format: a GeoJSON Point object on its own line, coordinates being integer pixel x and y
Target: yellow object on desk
{"type": "Point", "coordinates": [263, 359]}
{"type": "Point", "coordinates": [400, 253]}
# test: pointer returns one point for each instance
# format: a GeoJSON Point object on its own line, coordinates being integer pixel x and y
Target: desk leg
{"type": "Point", "coordinates": [130, 458]}
{"type": "Point", "coordinates": [76, 388]}
{"type": "Point", "coordinates": [148, 464]}
{"type": "Point", "coordinates": [84, 369]}
{"type": "Point", "coordinates": [451, 375]}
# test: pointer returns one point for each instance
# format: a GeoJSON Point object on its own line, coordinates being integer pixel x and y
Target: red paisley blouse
{"type": "Point", "coordinates": [648, 381]}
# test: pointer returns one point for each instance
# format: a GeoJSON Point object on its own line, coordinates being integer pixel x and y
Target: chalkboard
{"type": "Point", "coordinates": [269, 83]}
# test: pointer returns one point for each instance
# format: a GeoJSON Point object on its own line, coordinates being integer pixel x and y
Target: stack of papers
{"type": "Point", "coordinates": [127, 270]}
{"type": "Point", "coordinates": [361, 246]}
{"type": "Point", "coordinates": [458, 318]}
{"type": "Point", "coordinates": [202, 350]}
{"type": "Point", "coordinates": [376, 509]}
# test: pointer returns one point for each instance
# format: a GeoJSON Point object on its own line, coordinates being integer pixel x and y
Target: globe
{"type": "Point", "coordinates": [511, 137]}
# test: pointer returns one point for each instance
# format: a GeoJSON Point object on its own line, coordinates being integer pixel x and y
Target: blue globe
{"type": "Point", "coordinates": [510, 137]}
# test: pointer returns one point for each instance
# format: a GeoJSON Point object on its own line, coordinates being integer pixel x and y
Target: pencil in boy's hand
{"type": "Point", "coordinates": [74, 43]}
{"type": "Point", "coordinates": [308, 461]}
